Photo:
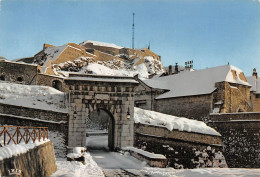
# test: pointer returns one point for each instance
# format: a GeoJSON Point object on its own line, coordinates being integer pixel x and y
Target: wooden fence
{"type": "Point", "coordinates": [18, 134]}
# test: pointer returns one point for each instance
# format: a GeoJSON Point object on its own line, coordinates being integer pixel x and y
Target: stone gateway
{"type": "Point", "coordinates": [114, 95]}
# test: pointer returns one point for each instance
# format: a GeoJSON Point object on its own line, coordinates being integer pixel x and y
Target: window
{"type": "Point", "coordinates": [140, 104]}
{"type": "Point", "coordinates": [2, 77]}
{"type": "Point", "coordinates": [20, 79]}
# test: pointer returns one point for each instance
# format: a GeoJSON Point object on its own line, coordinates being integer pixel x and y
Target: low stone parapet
{"type": "Point", "coordinates": [153, 160]}
{"type": "Point", "coordinates": [38, 161]}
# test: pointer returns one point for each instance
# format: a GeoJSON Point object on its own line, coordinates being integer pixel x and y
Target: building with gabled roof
{"type": "Point", "coordinates": [254, 80]}
{"type": "Point", "coordinates": [196, 94]}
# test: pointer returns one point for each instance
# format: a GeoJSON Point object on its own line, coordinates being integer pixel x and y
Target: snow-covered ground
{"type": "Point", "coordinates": [201, 172]}
{"type": "Point", "coordinates": [111, 161]}
{"type": "Point", "coordinates": [172, 122]}
{"type": "Point", "coordinates": [77, 169]}
{"type": "Point", "coordinates": [38, 97]}
{"type": "Point", "coordinates": [97, 142]}
{"type": "Point", "coordinates": [115, 160]}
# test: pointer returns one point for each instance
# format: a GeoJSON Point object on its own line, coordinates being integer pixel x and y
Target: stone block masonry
{"type": "Point", "coordinates": [18, 72]}
{"type": "Point", "coordinates": [194, 107]}
{"type": "Point", "coordinates": [39, 161]}
{"type": "Point", "coordinates": [240, 132]}
{"type": "Point", "coordinates": [33, 113]}
{"type": "Point", "coordinates": [178, 146]}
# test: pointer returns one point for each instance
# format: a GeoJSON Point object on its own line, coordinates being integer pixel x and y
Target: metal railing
{"type": "Point", "coordinates": [18, 134]}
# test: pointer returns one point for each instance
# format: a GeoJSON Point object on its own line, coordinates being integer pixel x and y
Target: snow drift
{"type": "Point", "coordinates": [172, 122]}
{"type": "Point", "coordinates": [32, 96]}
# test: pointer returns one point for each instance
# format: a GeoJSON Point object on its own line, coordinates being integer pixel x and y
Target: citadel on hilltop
{"type": "Point", "coordinates": [97, 51]}
{"type": "Point", "coordinates": [45, 67]}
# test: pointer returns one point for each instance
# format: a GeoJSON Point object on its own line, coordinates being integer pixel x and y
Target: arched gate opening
{"type": "Point", "coordinates": [100, 127]}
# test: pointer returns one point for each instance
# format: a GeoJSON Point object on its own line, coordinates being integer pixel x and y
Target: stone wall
{"type": "Point", "coordinates": [18, 72]}
{"type": "Point", "coordinates": [194, 107]}
{"type": "Point", "coordinates": [133, 53]}
{"type": "Point", "coordinates": [255, 101]}
{"type": "Point", "coordinates": [240, 138]}
{"type": "Point", "coordinates": [33, 113]}
{"type": "Point", "coordinates": [39, 161]}
{"type": "Point", "coordinates": [69, 54]}
{"type": "Point", "coordinates": [56, 122]}
{"type": "Point", "coordinates": [235, 116]}
{"type": "Point", "coordinates": [101, 56]}
{"type": "Point", "coordinates": [179, 147]}
{"type": "Point", "coordinates": [145, 96]}
{"type": "Point", "coordinates": [51, 81]}
{"type": "Point", "coordinates": [191, 137]}
{"type": "Point", "coordinates": [235, 97]}
{"type": "Point", "coordinates": [108, 50]}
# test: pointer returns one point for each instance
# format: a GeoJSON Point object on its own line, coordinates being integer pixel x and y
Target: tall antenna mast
{"type": "Point", "coordinates": [133, 35]}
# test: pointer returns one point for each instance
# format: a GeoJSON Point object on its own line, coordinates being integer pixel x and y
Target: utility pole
{"type": "Point", "coordinates": [133, 34]}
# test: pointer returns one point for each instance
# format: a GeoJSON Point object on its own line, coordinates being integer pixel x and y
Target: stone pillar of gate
{"type": "Point", "coordinates": [126, 127]}
{"type": "Point", "coordinates": [77, 123]}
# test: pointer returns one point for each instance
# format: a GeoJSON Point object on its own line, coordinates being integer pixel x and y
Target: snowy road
{"type": "Point", "coordinates": [113, 163]}
{"type": "Point", "coordinates": [115, 160]}
{"type": "Point", "coordinates": [117, 164]}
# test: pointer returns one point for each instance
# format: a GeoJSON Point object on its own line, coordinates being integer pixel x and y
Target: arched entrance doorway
{"type": "Point", "coordinates": [100, 127]}
{"type": "Point", "coordinates": [57, 84]}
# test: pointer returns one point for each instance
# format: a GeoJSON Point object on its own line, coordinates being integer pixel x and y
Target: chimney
{"type": "Point", "coordinates": [170, 70]}
{"type": "Point", "coordinates": [255, 73]}
{"type": "Point", "coordinates": [176, 68]}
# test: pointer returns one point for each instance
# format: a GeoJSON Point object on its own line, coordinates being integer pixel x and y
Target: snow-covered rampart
{"type": "Point", "coordinates": [32, 159]}
{"type": "Point", "coordinates": [172, 122]}
{"type": "Point", "coordinates": [32, 96]}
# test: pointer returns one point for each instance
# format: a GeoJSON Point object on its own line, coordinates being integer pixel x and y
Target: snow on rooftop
{"type": "Point", "coordinates": [32, 96]}
{"type": "Point", "coordinates": [197, 82]}
{"type": "Point", "coordinates": [102, 44]}
{"type": "Point", "coordinates": [255, 82]}
{"type": "Point", "coordinates": [172, 122]}
{"type": "Point", "coordinates": [53, 52]}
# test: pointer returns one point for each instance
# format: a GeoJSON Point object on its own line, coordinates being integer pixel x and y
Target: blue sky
{"type": "Point", "coordinates": [209, 32]}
